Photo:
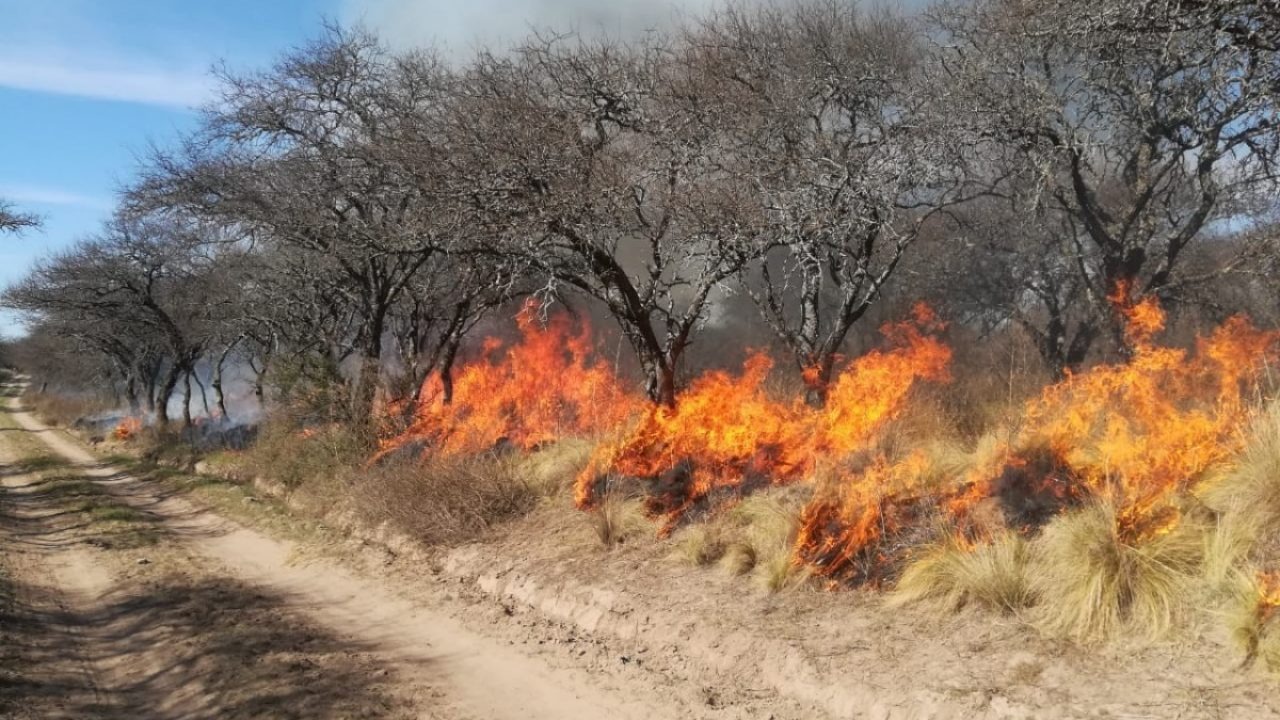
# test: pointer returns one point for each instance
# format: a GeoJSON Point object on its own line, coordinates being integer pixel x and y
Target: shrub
{"type": "Point", "coordinates": [443, 500]}
{"type": "Point", "coordinates": [1093, 583]}
{"type": "Point", "coordinates": [955, 574]}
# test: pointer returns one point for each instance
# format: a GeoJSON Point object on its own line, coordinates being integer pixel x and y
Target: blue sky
{"type": "Point", "coordinates": [86, 85]}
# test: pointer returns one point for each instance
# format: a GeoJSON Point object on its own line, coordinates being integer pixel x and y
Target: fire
{"type": "Point", "coordinates": [127, 429]}
{"type": "Point", "coordinates": [1268, 584]}
{"type": "Point", "coordinates": [1143, 432]}
{"type": "Point", "coordinates": [1139, 434]}
{"type": "Point", "coordinates": [727, 435]}
{"type": "Point", "coordinates": [547, 385]}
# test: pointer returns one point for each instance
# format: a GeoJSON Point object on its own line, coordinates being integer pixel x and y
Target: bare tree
{"type": "Point", "coordinates": [821, 103]}
{"type": "Point", "coordinates": [587, 161]}
{"type": "Point", "coordinates": [12, 220]}
{"type": "Point", "coordinates": [1137, 140]}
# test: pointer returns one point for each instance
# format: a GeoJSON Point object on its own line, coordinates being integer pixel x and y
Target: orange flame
{"type": "Point", "coordinates": [546, 386]}
{"type": "Point", "coordinates": [727, 435]}
{"type": "Point", "coordinates": [1139, 434]}
{"type": "Point", "coordinates": [127, 429]}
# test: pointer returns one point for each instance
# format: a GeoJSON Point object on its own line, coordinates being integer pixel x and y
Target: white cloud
{"type": "Point", "coordinates": [48, 71]}
{"type": "Point", "coordinates": [37, 195]}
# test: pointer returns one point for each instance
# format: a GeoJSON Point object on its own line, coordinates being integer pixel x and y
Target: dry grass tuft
{"type": "Point", "coordinates": [993, 575]}
{"type": "Point", "coordinates": [1093, 584]}
{"type": "Point", "coordinates": [1246, 495]}
{"type": "Point", "coordinates": [617, 518]}
{"type": "Point", "coordinates": [764, 527]}
{"type": "Point", "coordinates": [551, 470]}
{"type": "Point", "coordinates": [739, 558]}
{"type": "Point", "coordinates": [1253, 620]}
{"type": "Point", "coordinates": [444, 500]}
{"type": "Point", "coordinates": [701, 545]}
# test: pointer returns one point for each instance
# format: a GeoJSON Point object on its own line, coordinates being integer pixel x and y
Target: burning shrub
{"type": "Point", "coordinates": [127, 429]}
{"type": "Point", "coordinates": [1094, 579]}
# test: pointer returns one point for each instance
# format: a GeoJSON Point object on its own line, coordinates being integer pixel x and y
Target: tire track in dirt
{"type": "Point", "coordinates": [426, 651]}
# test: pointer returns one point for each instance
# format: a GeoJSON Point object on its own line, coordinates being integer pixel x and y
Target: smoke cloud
{"type": "Point", "coordinates": [460, 26]}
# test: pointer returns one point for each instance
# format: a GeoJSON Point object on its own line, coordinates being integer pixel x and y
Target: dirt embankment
{"type": "Point", "coordinates": [127, 601]}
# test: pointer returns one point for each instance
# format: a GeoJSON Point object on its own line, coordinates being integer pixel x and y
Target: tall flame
{"type": "Point", "coordinates": [1139, 434]}
{"type": "Point", "coordinates": [726, 434]}
{"type": "Point", "coordinates": [548, 385]}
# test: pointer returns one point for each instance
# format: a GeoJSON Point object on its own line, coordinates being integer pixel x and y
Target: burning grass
{"type": "Point", "coordinates": [1254, 621]}
{"type": "Point", "coordinates": [1093, 481]}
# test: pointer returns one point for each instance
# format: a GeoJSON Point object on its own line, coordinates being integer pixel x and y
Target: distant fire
{"type": "Point", "coordinates": [127, 429]}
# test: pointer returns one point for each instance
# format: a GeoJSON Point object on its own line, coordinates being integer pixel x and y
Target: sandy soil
{"type": "Point", "coordinates": [145, 606]}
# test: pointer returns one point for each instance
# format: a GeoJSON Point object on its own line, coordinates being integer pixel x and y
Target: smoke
{"type": "Point", "coordinates": [460, 27]}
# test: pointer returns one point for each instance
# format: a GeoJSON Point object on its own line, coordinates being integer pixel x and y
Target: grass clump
{"type": "Point", "coordinates": [764, 528]}
{"type": "Point", "coordinates": [616, 518]}
{"type": "Point", "coordinates": [551, 470]}
{"type": "Point", "coordinates": [443, 500]}
{"type": "Point", "coordinates": [1253, 620]}
{"type": "Point", "coordinates": [955, 574]}
{"type": "Point", "coordinates": [701, 545]}
{"type": "Point", "coordinates": [1094, 583]}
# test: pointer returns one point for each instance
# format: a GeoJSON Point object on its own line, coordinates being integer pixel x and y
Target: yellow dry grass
{"type": "Point", "coordinates": [954, 574]}
{"type": "Point", "coordinates": [1092, 584]}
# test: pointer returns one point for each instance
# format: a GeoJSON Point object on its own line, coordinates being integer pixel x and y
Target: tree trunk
{"type": "Point", "coordinates": [166, 393]}
{"type": "Point", "coordinates": [131, 393]}
{"type": "Point", "coordinates": [186, 402]}
{"type": "Point", "coordinates": [817, 372]}
{"type": "Point", "coordinates": [204, 395]}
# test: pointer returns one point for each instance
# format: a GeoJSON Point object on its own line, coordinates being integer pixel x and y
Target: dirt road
{"type": "Point", "coordinates": [125, 601]}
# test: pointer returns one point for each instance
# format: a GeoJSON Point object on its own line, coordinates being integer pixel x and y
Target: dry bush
{"type": "Point", "coordinates": [60, 410]}
{"type": "Point", "coordinates": [1253, 620]}
{"type": "Point", "coordinates": [617, 518]}
{"type": "Point", "coordinates": [1093, 584]}
{"type": "Point", "coordinates": [443, 500]}
{"type": "Point", "coordinates": [551, 470]}
{"type": "Point", "coordinates": [294, 456]}
{"type": "Point", "coordinates": [701, 545]}
{"type": "Point", "coordinates": [952, 573]}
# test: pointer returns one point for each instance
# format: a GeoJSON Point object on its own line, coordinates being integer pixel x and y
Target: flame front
{"type": "Point", "coordinates": [548, 385]}
{"type": "Point", "coordinates": [1138, 434]}
{"type": "Point", "coordinates": [727, 435]}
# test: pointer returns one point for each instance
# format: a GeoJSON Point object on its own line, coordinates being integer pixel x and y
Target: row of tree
{"type": "Point", "coordinates": [354, 213]}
